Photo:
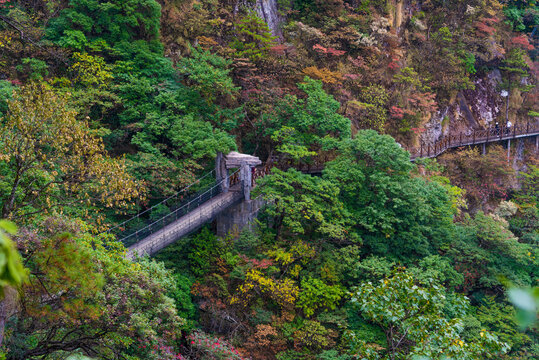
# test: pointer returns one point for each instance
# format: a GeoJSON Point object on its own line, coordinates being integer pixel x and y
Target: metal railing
{"type": "Point", "coordinates": [176, 212]}
{"type": "Point", "coordinates": [135, 222]}
{"type": "Point", "coordinates": [430, 150]}
{"type": "Point", "coordinates": [190, 222]}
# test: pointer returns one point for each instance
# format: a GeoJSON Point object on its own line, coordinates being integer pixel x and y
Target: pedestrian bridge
{"type": "Point", "coordinates": [476, 137]}
{"type": "Point", "coordinates": [188, 210]}
{"type": "Point", "coordinates": [220, 189]}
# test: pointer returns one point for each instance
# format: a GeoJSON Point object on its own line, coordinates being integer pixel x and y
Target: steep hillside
{"type": "Point", "coordinates": [107, 107]}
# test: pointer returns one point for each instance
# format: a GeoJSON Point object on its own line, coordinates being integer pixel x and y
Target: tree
{"type": "Point", "coordinates": [6, 90]}
{"type": "Point", "coordinates": [253, 38]}
{"type": "Point", "coordinates": [12, 271]}
{"type": "Point", "coordinates": [522, 15]}
{"type": "Point", "coordinates": [394, 213]}
{"type": "Point", "coordinates": [501, 319]}
{"type": "Point", "coordinates": [93, 24]}
{"type": "Point", "coordinates": [50, 160]}
{"type": "Point", "coordinates": [484, 177]}
{"type": "Point", "coordinates": [172, 144]}
{"type": "Point", "coordinates": [475, 250]}
{"type": "Point", "coordinates": [413, 320]}
{"type": "Point", "coordinates": [515, 68]}
{"type": "Point", "coordinates": [208, 73]}
{"type": "Point", "coordinates": [303, 126]}
{"type": "Point", "coordinates": [315, 294]}
{"type": "Point", "coordinates": [373, 111]}
{"type": "Point", "coordinates": [83, 294]}
{"type": "Point", "coordinates": [525, 225]}
{"type": "Point", "coordinates": [303, 204]}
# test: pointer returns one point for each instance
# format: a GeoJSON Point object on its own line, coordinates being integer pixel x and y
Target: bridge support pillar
{"type": "Point", "coordinates": [484, 148]}
{"type": "Point", "coordinates": [221, 172]}
{"type": "Point", "coordinates": [246, 177]}
{"type": "Point", "coordinates": [237, 217]}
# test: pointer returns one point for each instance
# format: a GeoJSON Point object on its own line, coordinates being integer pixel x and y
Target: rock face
{"type": "Point", "coordinates": [484, 101]}
{"type": "Point", "coordinates": [434, 128]}
{"type": "Point", "coordinates": [268, 10]}
{"type": "Point", "coordinates": [469, 110]}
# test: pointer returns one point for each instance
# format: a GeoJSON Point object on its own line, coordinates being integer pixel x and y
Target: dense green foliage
{"type": "Point", "coordinates": [12, 272]}
{"type": "Point", "coordinates": [107, 107]}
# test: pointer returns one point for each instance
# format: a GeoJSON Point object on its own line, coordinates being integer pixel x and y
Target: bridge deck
{"type": "Point", "coordinates": [186, 224]}
{"type": "Point", "coordinates": [210, 205]}
{"type": "Point", "coordinates": [446, 144]}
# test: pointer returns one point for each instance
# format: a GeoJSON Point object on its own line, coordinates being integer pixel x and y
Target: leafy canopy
{"type": "Point", "coordinates": [61, 163]}
{"type": "Point", "coordinates": [413, 319]}
{"type": "Point", "coordinates": [394, 212]}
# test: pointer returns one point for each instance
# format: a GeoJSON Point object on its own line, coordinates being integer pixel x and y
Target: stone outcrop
{"type": "Point", "coordinates": [268, 11]}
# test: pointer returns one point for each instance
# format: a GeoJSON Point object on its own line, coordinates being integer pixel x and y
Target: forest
{"type": "Point", "coordinates": [110, 107]}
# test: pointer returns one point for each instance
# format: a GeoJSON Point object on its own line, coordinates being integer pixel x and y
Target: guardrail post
{"type": "Point", "coordinates": [527, 127]}
{"type": "Point", "coordinates": [473, 139]}
{"type": "Point", "coordinates": [460, 142]}
{"type": "Point", "coordinates": [421, 152]}
{"type": "Point", "coordinates": [428, 149]}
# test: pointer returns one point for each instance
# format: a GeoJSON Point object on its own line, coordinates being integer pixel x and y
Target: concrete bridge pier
{"type": "Point", "coordinates": [241, 214]}
{"type": "Point", "coordinates": [221, 172]}
{"type": "Point", "coordinates": [237, 217]}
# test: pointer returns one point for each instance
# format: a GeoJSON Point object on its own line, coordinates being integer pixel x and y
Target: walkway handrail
{"type": "Point", "coordinates": [193, 221]}
{"type": "Point", "coordinates": [197, 181]}
{"type": "Point", "coordinates": [187, 207]}
{"type": "Point", "coordinates": [481, 136]}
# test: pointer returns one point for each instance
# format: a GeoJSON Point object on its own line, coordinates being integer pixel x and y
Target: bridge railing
{"type": "Point", "coordinates": [179, 211]}
{"type": "Point", "coordinates": [145, 217]}
{"type": "Point", "coordinates": [475, 137]}
{"type": "Point", "coordinates": [193, 222]}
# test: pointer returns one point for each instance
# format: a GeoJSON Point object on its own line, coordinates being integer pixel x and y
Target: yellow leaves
{"type": "Point", "coordinates": [5, 40]}
{"type": "Point", "coordinates": [91, 70]}
{"type": "Point", "coordinates": [57, 145]}
{"type": "Point", "coordinates": [294, 271]}
{"type": "Point", "coordinates": [283, 292]}
{"type": "Point", "coordinates": [325, 75]}
{"type": "Point", "coordinates": [300, 250]}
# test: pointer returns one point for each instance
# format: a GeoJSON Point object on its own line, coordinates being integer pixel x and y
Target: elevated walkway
{"type": "Point", "coordinates": [188, 223]}
{"type": "Point", "coordinates": [230, 189]}
{"type": "Point", "coordinates": [143, 235]}
{"type": "Point", "coordinates": [475, 137]}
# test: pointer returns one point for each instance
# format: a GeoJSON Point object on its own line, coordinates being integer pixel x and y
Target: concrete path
{"type": "Point", "coordinates": [185, 225]}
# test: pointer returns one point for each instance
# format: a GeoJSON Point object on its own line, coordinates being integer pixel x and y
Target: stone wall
{"type": "Point", "coordinates": [238, 216]}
